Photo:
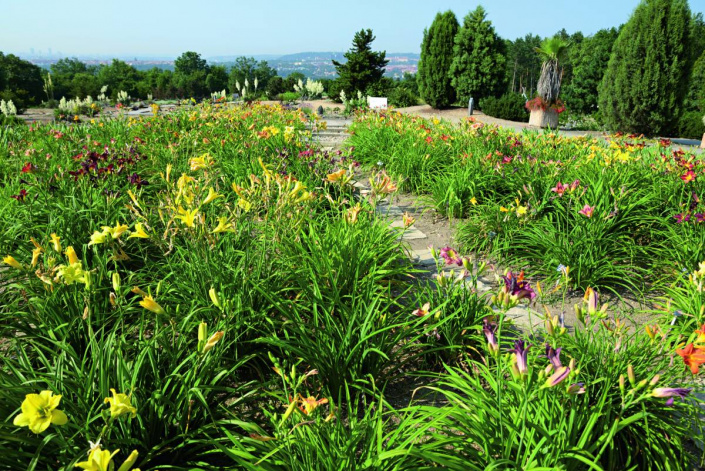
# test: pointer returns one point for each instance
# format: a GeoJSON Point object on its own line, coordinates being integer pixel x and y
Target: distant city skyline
{"type": "Point", "coordinates": [162, 29]}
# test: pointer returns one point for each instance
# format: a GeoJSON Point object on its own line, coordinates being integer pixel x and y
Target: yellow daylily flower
{"type": "Point", "coordinates": [73, 273]}
{"type": "Point", "coordinates": [10, 260]}
{"type": "Point", "coordinates": [139, 232]}
{"type": "Point", "coordinates": [223, 225]}
{"type": "Point", "coordinates": [34, 241]}
{"type": "Point", "coordinates": [521, 210]}
{"type": "Point", "coordinates": [117, 231]}
{"type": "Point", "coordinates": [35, 255]}
{"type": "Point", "coordinates": [98, 460]}
{"type": "Point", "coordinates": [71, 254]}
{"type": "Point", "coordinates": [150, 304]}
{"type": "Point", "coordinates": [473, 201]}
{"type": "Point", "coordinates": [98, 238]}
{"type": "Point", "coordinates": [212, 195]}
{"type": "Point", "coordinates": [244, 204]}
{"type": "Point", "coordinates": [187, 217]}
{"type": "Point", "coordinates": [198, 163]}
{"type": "Point", "coordinates": [212, 340]}
{"type": "Point", "coordinates": [39, 411]}
{"type": "Point", "coordinates": [120, 404]}
{"type": "Point", "coordinates": [56, 241]}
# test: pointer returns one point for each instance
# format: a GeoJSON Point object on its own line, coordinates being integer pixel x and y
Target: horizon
{"type": "Point", "coordinates": [273, 28]}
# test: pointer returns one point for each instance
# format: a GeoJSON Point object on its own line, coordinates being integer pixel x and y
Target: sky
{"type": "Point", "coordinates": [166, 28]}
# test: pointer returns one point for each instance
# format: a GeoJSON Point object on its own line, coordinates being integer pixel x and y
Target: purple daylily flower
{"type": "Point", "coordinates": [554, 356]}
{"type": "Point", "coordinates": [520, 351]}
{"type": "Point", "coordinates": [516, 286]}
{"type": "Point", "coordinates": [556, 378]}
{"type": "Point", "coordinates": [671, 393]}
{"type": "Point", "coordinates": [576, 388]}
{"type": "Point", "coordinates": [489, 329]}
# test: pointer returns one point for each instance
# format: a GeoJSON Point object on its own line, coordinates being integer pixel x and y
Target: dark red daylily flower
{"type": "Point", "coordinates": [21, 196]}
{"type": "Point", "coordinates": [28, 167]}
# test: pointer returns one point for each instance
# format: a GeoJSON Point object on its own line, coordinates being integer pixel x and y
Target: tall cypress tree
{"type": "Point", "coordinates": [436, 57]}
{"type": "Point", "coordinates": [479, 59]}
{"type": "Point", "coordinates": [647, 75]}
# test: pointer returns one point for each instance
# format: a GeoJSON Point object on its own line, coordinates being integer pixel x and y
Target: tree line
{"type": "Point", "coordinates": [646, 76]}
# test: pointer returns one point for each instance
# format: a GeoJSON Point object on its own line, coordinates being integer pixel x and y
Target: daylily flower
{"type": "Point", "coordinates": [120, 404]}
{"type": "Point", "coordinates": [39, 411]}
{"type": "Point", "coordinates": [72, 273]}
{"type": "Point", "coordinates": [244, 205]}
{"type": "Point", "coordinates": [71, 254]}
{"type": "Point", "coordinates": [699, 217]}
{"type": "Point", "coordinates": [98, 237]}
{"type": "Point", "coordinates": [212, 195]}
{"type": "Point", "coordinates": [700, 339]}
{"type": "Point", "coordinates": [559, 189]}
{"type": "Point", "coordinates": [688, 176]}
{"type": "Point", "coordinates": [150, 304]}
{"type": "Point", "coordinates": [556, 378]}
{"type": "Point", "coordinates": [117, 231]}
{"type": "Point", "coordinates": [422, 311]}
{"type": "Point", "coordinates": [309, 404]}
{"type": "Point", "coordinates": [223, 225]}
{"type": "Point", "coordinates": [681, 218]}
{"type": "Point", "coordinates": [198, 163]}
{"type": "Point", "coordinates": [352, 214]}
{"type": "Point", "coordinates": [35, 255]}
{"type": "Point", "coordinates": [692, 357]}
{"type": "Point", "coordinates": [519, 354]}
{"type": "Point", "coordinates": [489, 329]}
{"type": "Point", "coordinates": [587, 211]}
{"type": "Point", "coordinates": [473, 201]}
{"type": "Point", "coordinates": [408, 220]}
{"type": "Point", "coordinates": [187, 217]}
{"type": "Point", "coordinates": [553, 356]}
{"type": "Point", "coordinates": [517, 287]}
{"type": "Point", "coordinates": [671, 393]}
{"type": "Point", "coordinates": [212, 340]}
{"type": "Point", "coordinates": [451, 256]}
{"type": "Point", "coordinates": [56, 241]}
{"type": "Point", "coordinates": [336, 176]}
{"type": "Point", "coordinates": [102, 460]}
{"type": "Point", "coordinates": [10, 260]}
{"type": "Point", "coordinates": [139, 232]}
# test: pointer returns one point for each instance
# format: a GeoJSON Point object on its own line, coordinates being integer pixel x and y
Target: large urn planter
{"type": "Point", "coordinates": [547, 118]}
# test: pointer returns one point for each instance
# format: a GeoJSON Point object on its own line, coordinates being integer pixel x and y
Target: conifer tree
{"type": "Point", "coordinates": [479, 59]}
{"type": "Point", "coordinates": [436, 57]}
{"type": "Point", "coordinates": [647, 75]}
{"type": "Point", "coordinates": [364, 67]}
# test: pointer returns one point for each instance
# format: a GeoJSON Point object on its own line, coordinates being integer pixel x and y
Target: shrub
{"type": "Point", "coordinates": [690, 125]}
{"type": "Point", "coordinates": [401, 98]}
{"type": "Point", "coordinates": [509, 106]}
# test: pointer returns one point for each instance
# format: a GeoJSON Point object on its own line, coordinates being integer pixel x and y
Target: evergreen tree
{"type": "Point", "coordinates": [363, 67]}
{"type": "Point", "coordinates": [647, 75]}
{"type": "Point", "coordinates": [523, 64]}
{"type": "Point", "coordinates": [479, 59]}
{"type": "Point", "coordinates": [590, 63]}
{"type": "Point", "coordinates": [436, 56]}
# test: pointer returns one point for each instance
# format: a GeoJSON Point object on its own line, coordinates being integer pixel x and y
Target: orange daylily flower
{"type": "Point", "coordinates": [692, 357]}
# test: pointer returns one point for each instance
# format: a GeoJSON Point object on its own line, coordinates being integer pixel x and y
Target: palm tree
{"type": "Point", "coordinates": [552, 50]}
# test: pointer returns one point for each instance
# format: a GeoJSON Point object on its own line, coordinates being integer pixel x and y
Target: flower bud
{"type": "Point", "coordinates": [654, 380]}
{"type": "Point", "coordinates": [621, 383]}
{"type": "Point", "coordinates": [116, 282]}
{"type": "Point", "coordinates": [214, 298]}
{"type": "Point", "coordinates": [630, 375]}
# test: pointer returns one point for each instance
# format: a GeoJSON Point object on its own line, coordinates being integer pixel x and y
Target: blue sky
{"type": "Point", "coordinates": [220, 27]}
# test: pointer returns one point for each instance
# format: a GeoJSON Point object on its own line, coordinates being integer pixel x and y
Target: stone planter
{"type": "Point", "coordinates": [702, 143]}
{"type": "Point", "coordinates": [544, 119]}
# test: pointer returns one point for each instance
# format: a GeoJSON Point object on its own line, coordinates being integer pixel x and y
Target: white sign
{"type": "Point", "coordinates": [377, 103]}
